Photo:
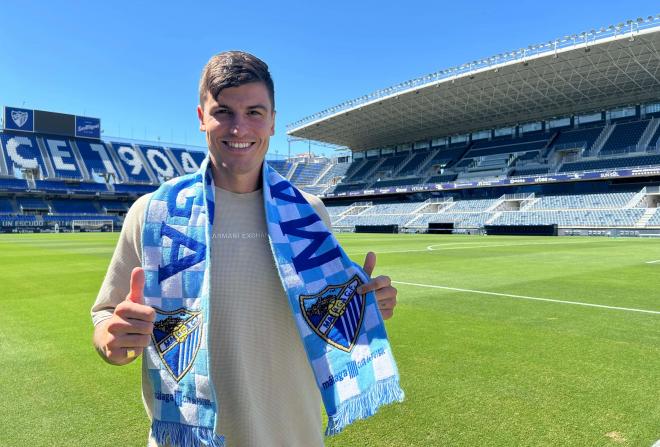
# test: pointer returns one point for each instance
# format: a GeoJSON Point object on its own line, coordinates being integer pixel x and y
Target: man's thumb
{"type": "Point", "coordinates": [369, 263]}
{"type": "Point", "coordinates": [137, 286]}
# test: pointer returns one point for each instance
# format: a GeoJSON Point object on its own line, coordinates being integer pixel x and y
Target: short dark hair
{"type": "Point", "coordinates": [233, 69]}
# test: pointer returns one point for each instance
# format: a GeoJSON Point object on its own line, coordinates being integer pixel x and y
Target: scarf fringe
{"type": "Point", "coordinates": [366, 404]}
{"type": "Point", "coordinates": [181, 435]}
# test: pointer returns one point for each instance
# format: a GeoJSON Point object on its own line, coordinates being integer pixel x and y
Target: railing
{"type": "Point", "coordinates": [581, 145]}
{"type": "Point", "coordinates": [518, 196]}
{"type": "Point", "coordinates": [631, 27]}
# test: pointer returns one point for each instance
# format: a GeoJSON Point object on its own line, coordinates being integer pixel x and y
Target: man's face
{"type": "Point", "coordinates": [238, 124]}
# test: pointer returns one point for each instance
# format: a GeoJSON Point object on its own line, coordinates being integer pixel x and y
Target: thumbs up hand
{"type": "Point", "coordinates": [123, 337]}
{"type": "Point", "coordinates": [381, 285]}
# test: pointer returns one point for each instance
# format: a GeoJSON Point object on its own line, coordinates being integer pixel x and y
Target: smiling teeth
{"type": "Point", "coordinates": [238, 145]}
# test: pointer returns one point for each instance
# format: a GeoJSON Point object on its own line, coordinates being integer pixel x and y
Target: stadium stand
{"type": "Point", "coordinates": [6, 206]}
{"type": "Point", "coordinates": [470, 158]}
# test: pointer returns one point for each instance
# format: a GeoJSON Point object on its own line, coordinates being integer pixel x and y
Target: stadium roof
{"type": "Point", "coordinates": [591, 71]}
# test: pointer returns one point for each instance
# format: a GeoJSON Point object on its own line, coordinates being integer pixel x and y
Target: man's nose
{"type": "Point", "coordinates": [237, 125]}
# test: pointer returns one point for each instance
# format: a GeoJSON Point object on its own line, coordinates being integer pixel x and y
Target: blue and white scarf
{"type": "Point", "coordinates": [341, 330]}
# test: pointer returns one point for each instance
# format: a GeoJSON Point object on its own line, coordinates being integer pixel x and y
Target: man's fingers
{"type": "Point", "coordinates": [369, 263]}
{"type": "Point", "coordinates": [136, 293]}
{"type": "Point", "coordinates": [375, 284]}
{"type": "Point", "coordinates": [120, 326]}
{"type": "Point", "coordinates": [121, 356]}
{"type": "Point", "coordinates": [134, 341]}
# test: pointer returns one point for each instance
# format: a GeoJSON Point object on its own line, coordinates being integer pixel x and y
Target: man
{"type": "Point", "coordinates": [267, 392]}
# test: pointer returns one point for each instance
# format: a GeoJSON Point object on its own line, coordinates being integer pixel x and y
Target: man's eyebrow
{"type": "Point", "coordinates": [256, 106]}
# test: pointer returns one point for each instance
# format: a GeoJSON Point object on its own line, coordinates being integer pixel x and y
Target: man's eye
{"type": "Point", "coordinates": [255, 113]}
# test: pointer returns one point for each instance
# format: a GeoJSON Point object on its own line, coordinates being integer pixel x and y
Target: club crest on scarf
{"type": "Point", "coordinates": [335, 313]}
{"type": "Point", "coordinates": [177, 337]}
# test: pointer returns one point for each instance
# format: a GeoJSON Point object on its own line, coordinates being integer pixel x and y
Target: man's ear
{"type": "Point", "coordinates": [200, 116]}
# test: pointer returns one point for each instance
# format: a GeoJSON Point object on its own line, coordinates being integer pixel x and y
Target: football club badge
{"type": "Point", "coordinates": [335, 313]}
{"type": "Point", "coordinates": [177, 337]}
{"type": "Point", "coordinates": [19, 117]}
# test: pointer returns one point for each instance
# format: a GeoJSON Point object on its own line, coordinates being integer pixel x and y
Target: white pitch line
{"type": "Point", "coordinates": [653, 262]}
{"type": "Point", "coordinates": [445, 247]}
{"type": "Point", "coordinates": [577, 303]}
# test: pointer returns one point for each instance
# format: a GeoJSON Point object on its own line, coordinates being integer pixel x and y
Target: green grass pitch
{"type": "Point", "coordinates": [495, 369]}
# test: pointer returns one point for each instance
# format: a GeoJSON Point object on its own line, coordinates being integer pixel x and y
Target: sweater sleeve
{"type": "Point", "coordinates": [127, 255]}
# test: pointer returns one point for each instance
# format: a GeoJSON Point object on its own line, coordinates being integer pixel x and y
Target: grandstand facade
{"type": "Point", "coordinates": [49, 181]}
{"type": "Point", "coordinates": [563, 133]}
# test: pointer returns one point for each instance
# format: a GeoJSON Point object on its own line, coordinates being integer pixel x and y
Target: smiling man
{"type": "Point", "coordinates": [198, 283]}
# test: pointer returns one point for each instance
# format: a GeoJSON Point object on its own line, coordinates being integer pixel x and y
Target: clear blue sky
{"type": "Point", "coordinates": [136, 64]}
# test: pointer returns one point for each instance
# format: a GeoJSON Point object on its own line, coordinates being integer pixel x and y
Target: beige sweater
{"type": "Point", "coordinates": [265, 387]}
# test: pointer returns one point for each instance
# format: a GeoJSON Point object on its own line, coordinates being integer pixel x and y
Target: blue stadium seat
{"type": "Point", "coordinates": [6, 206]}
{"type": "Point", "coordinates": [307, 173]}
{"type": "Point", "coordinates": [32, 203]}
{"type": "Point", "coordinates": [411, 181]}
{"type": "Point", "coordinates": [189, 160]}
{"type": "Point", "coordinates": [134, 189]}
{"type": "Point", "coordinates": [132, 160]}
{"type": "Point", "coordinates": [73, 206]}
{"type": "Point", "coordinates": [341, 187]}
{"type": "Point", "coordinates": [114, 206]}
{"type": "Point", "coordinates": [97, 159]}
{"type": "Point", "coordinates": [624, 136]}
{"type": "Point", "coordinates": [611, 163]}
{"type": "Point", "coordinates": [391, 163]}
{"type": "Point", "coordinates": [72, 187]}
{"type": "Point", "coordinates": [160, 163]}
{"type": "Point", "coordinates": [414, 164]}
{"type": "Point", "coordinates": [281, 166]}
{"type": "Point", "coordinates": [582, 138]}
{"type": "Point", "coordinates": [13, 184]}
{"type": "Point", "coordinates": [22, 152]}
{"type": "Point", "coordinates": [62, 157]}
{"type": "Point", "coordinates": [443, 178]}
{"type": "Point", "coordinates": [336, 171]}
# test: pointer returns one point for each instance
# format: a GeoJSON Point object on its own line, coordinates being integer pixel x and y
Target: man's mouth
{"type": "Point", "coordinates": [238, 144]}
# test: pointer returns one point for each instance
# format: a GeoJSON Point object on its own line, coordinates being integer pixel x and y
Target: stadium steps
{"type": "Point", "coordinates": [369, 174]}
{"type": "Point", "coordinates": [45, 155]}
{"type": "Point", "coordinates": [81, 163]}
{"type": "Point", "coordinates": [493, 218]}
{"type": "Point", "coordinates": [423, 166]}
{"type": "Point", "coordinates": [529, 203]}
{"type": "Point", "coordinates": [356, 208]}
{"type": "Point", "coordinates": [545, 152]}
{"type": "Point", "coordinates": [291, 170]}
{"type": "Point", "coordinates": [411, 222]}
{"type": "Point", "coordinates": [494, 207]}
{"type": "Point", "coordinates": [322, 174]}
{"type": "Point", "coordinates": [353, 168]}
{"type": "Point", "coordinates": [648, 214]}
{"type": "Point", "coordinates": [403, 164]}
{"type": "Point", "coordinates": [429, 206]}
{"type": "Point", "coordinates": [645, 139]}
{"type": "Point", "coordinates": [601, 140]}
{"type": "Point", "coordinates": [636, 199]}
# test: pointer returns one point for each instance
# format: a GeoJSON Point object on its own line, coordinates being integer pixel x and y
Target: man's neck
{"type": "Point", "coordinates": [239, 184]}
